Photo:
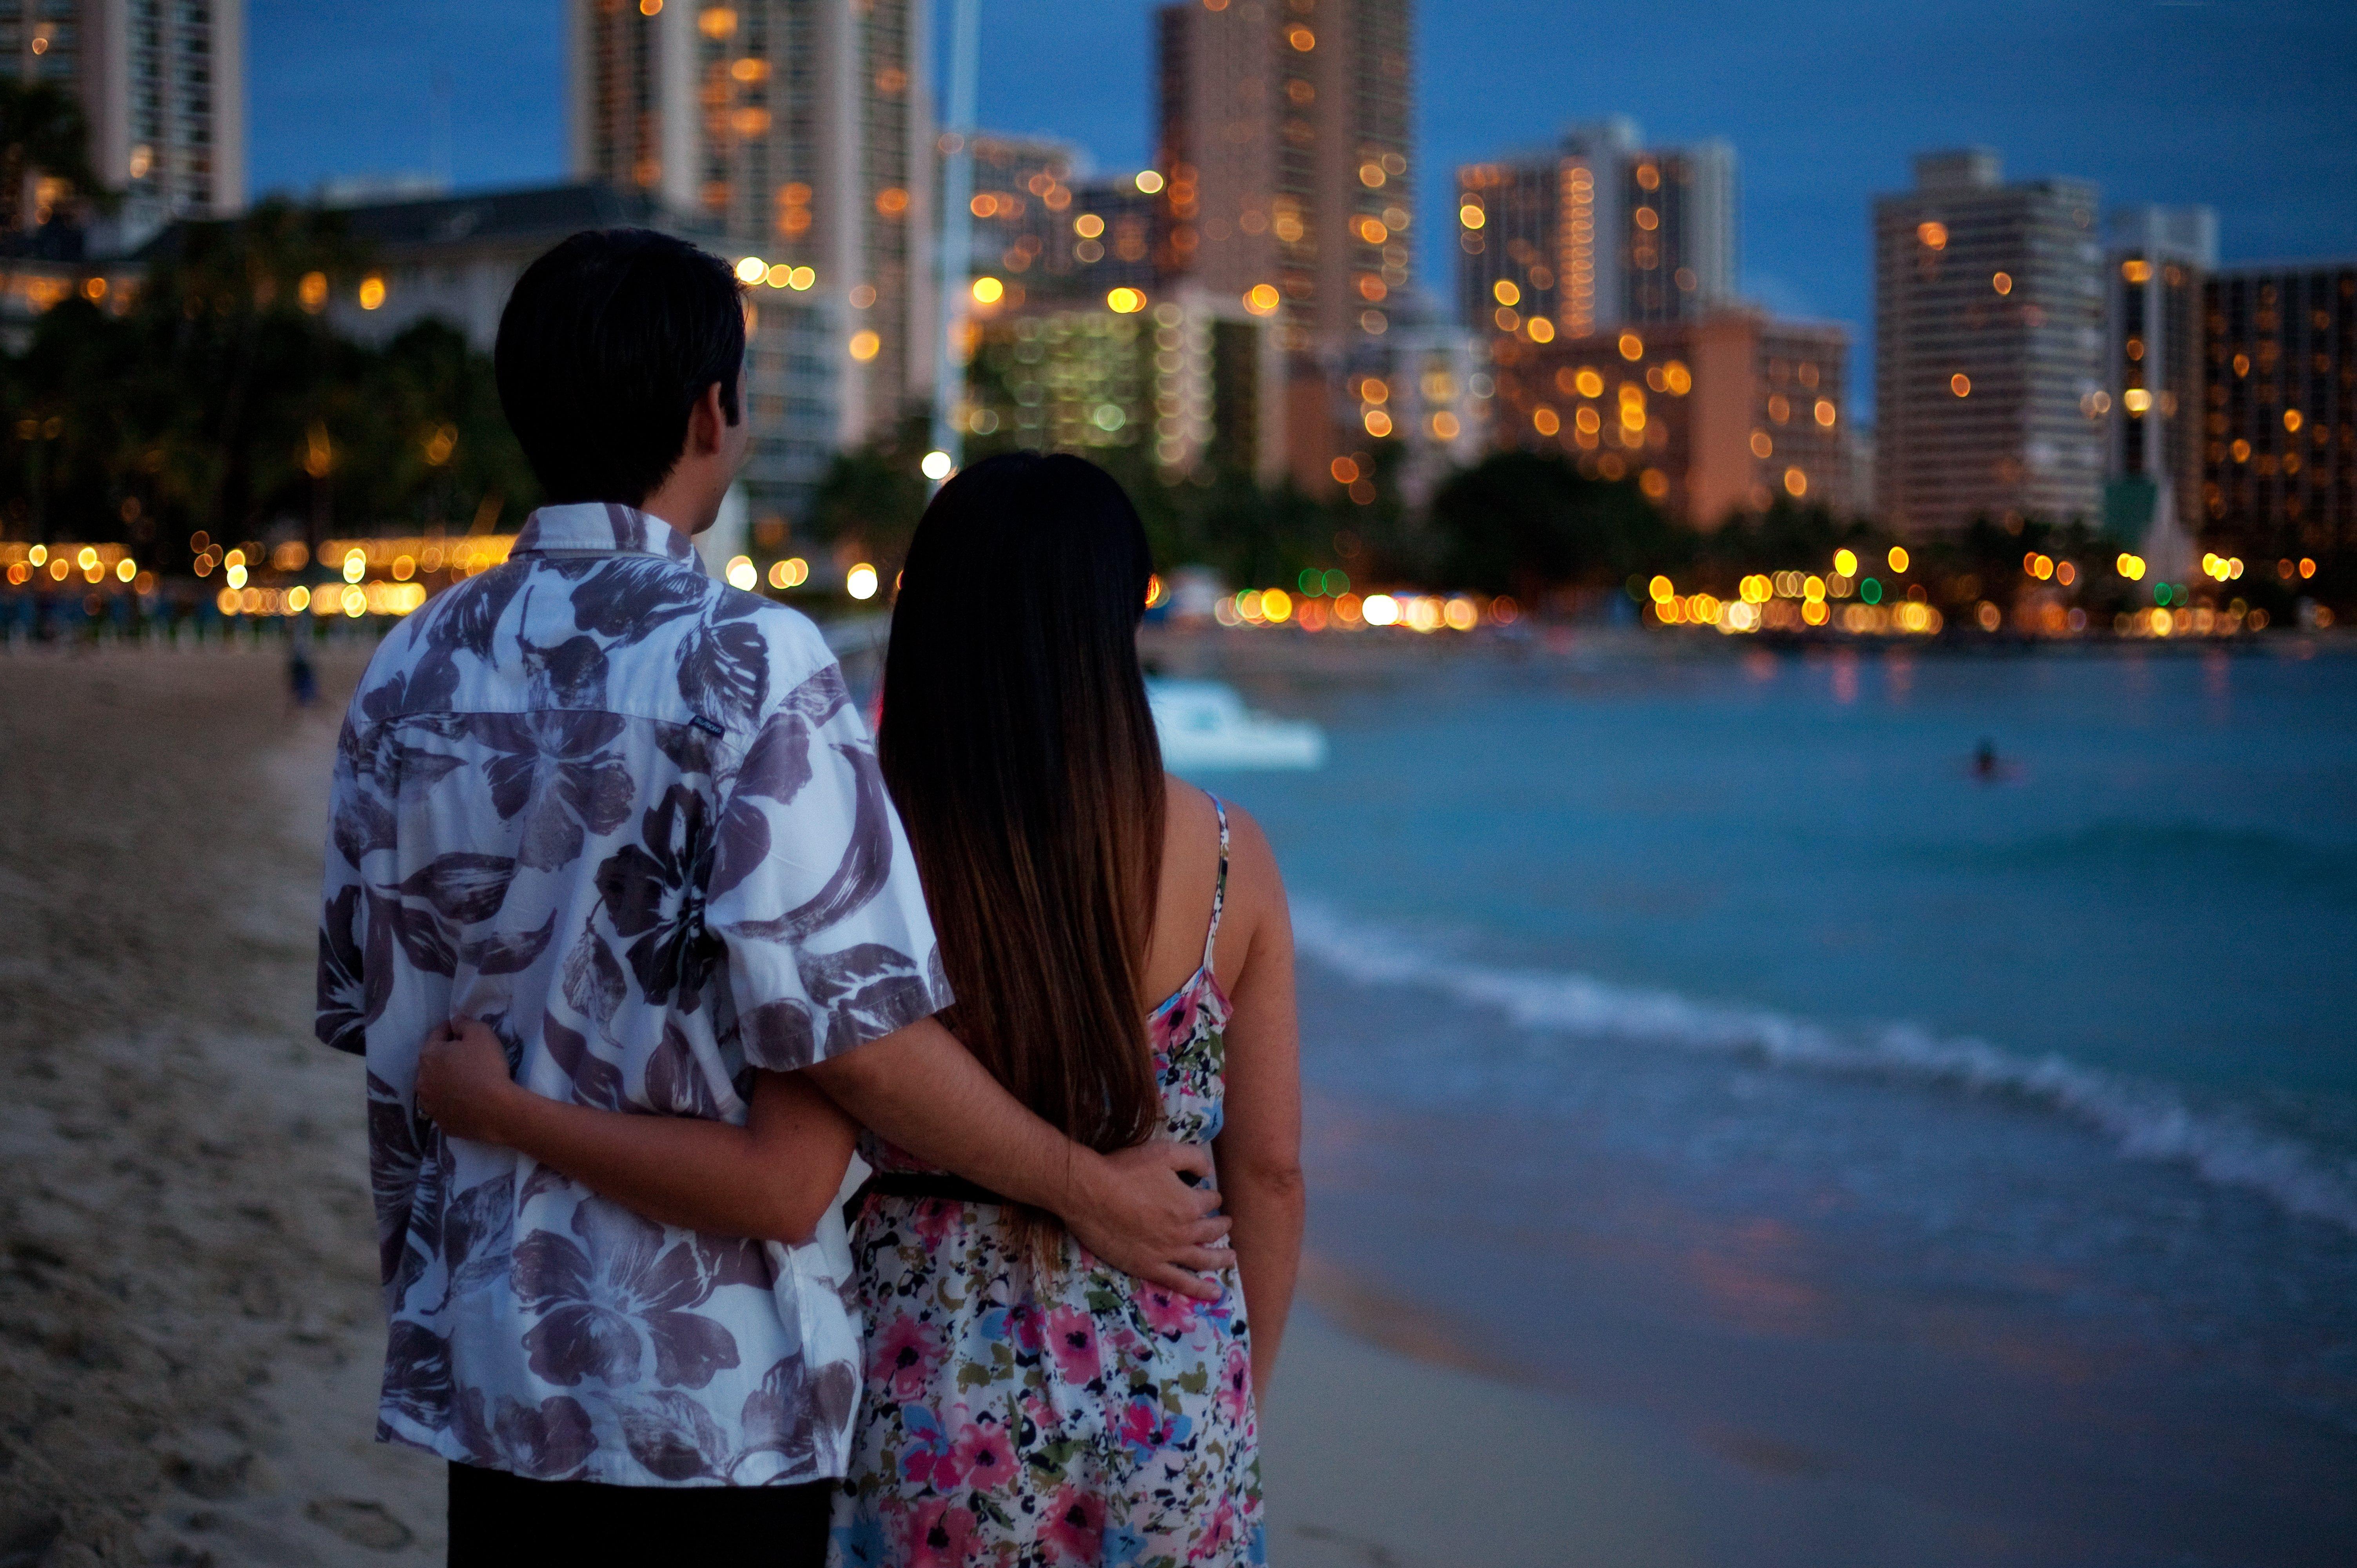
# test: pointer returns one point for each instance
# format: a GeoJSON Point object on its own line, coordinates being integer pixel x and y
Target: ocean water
{"type": "Point", "coordinates": [1706, 1036]}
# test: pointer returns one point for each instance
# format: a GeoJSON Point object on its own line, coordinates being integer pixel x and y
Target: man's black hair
{"type": "Point", "coordinates": [604, 346]}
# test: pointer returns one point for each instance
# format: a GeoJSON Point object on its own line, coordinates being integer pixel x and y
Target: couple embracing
{"type": "Point", "coordinates": [642, 937]}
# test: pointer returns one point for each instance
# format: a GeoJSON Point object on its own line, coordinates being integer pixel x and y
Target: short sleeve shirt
{"type": "Point", "coordinates": [628, 816]}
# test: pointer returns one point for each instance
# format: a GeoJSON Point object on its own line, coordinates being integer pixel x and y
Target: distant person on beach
{"type": "Point", "coordinates": [302, 680]}
{"type": "Point", "coordinates": [628, 816]}
{"type": "Point", "coordinates": [1024, 1402]}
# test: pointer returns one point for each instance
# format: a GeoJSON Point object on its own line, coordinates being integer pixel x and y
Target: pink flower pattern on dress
{"type": "Point", "coordinates": [1125, 1414]}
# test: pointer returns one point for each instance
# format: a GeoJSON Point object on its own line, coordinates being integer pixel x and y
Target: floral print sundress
{"type": "Point", "coordinates": [1017, 1417]}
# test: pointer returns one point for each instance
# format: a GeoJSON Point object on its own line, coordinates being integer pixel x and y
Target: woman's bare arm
{"type": "Point", "coordinates": [770, 1179]}
{"type": "Point", "coordinates": [1259, 1147]}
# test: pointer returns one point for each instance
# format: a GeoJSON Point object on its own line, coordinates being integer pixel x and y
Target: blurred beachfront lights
{"type": "Point", "coordinates": [1633, 347]}
{"type": "Point", "coordinates": [1148, 182]}
{"type": "Point", "coordinates": [1506, 291]}
{"type": "Point", "coordinates": [236, 577]}
{"type": "Point", "coordinates": [1899, 558]}
{"type": "Point", "coordinates": [371, 292]}
{"type": "Point", "coordinates": [313, 292]}
{"type": "Point", "coordinates": [860, 581]}
{"type": "Point", "coordinates": [298, 599]}
{"type": "Point", "coordinates": [988, 290]}
{"type": "Point", "coordinates": [865, 345]}
{"type": "Point", "coordinates": [1275, 605]}
{"type": "Point", "coordinates": [355, 601]}
{"type": "Point", "coordinates": [1125, 301]}
{"type": "Point", "coordinates": [2135, 399]}
{"type": "Point", "coordinates": [2306, 567]}
{"type": "Point", "coordinates": [1472, 216]}
{"type": "Point", "coordinates": [936, 466]}
{"type": "Point", "coordinates": [86, 557]}
{"type": "Point", "coordinates": [1960, 384]}
{"type": "Point", "coordinates": [1845, 562]}
{"type": "Point", "coordinates": [1662, 589]}
{"type": "Point", "coordinates": [1870, 591]}
{"type": "Point", "coordinates": [2130, 566]}
{"type": "Point", "coordinates": [1380, 610]}
{"type": "Point", "coordinates": [1336, 582]}
{"type": "Point", "coordinates": [355, 566]}
{"type": "Point", "coordinates": [126, 569]}
{"type": "Point", "coordinates": [1461, 614]}
{"type": "Point", "coordinates": [752, 269]}
{"type": "Point", "coordinates": [1813, 588]}
{"type": "Point", "coordinates": [790, 572]}
{"type": "Point", "coordinates": [742, 574]}
{"type": "Point", "coordinates": [1934, 235]}
{"type": "Point", "coordinates": [1261, 299]}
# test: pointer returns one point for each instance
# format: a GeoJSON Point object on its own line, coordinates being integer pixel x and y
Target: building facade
{"type": "Point", "coordinates": [1595, 234]}
{"type": "Point", "coordinates": [1989, 311]}
{"type": "Point", "coordinates": [2279, 453]}
{"type": "Point", "coordinates": [1712, 416]}
{"type": "Point", "coordinates": [455, 259]}
{"type": "Point", "coordinates": [2156, 262]}
{"type": "Point", "coordinates": [1283, 131]}
{"type": "Point", "coordinates": [1183, 381]}
{"type": "Point", "coordinates": [163, 85]}
{"type": "Point", "coordinates": [804, 129]}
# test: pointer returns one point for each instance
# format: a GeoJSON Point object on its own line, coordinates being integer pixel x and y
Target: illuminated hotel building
{"type": "Point", "coordinates": [1595, 234]}
{"type": "Point", "coordinates": [1722, 413]}
{"type": "Point", "coordinates": [1283, 133]}
{"type": "Point", "coordinates": [804, 127]}
{"type": "Point", "coordinates": [2156, 259]}
{"type": "Point", "coordinates": [1989, 364]}
{"type": "Point", "coordinates": [2279, 457]}
{"type": "Point", "coordinates": [162, 84]}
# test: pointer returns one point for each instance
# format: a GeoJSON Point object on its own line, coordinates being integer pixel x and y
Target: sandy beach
{"type": "Point", "coordinates": [190, 1329]}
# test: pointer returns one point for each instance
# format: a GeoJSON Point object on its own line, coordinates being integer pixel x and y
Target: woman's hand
{"type": "Point", "coordinates": [463, 1082]}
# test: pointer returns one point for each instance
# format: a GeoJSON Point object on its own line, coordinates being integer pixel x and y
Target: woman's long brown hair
{"type": "Point", "coordinates": [1018, 745]}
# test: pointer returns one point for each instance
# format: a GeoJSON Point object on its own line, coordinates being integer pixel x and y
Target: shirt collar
{"type": "Point", "coordinates": [604, 526]}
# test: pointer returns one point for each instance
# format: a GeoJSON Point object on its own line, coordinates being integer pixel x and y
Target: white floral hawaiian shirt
{"type": "Point", "coordinates": [629, 816]}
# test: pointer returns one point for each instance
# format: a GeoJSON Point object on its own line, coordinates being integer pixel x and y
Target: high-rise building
{"type": "Point", "coordinates": [805, 128]}
{"type": "Point", "coordinates": [163, 85]}
{"type": "Point", "coordinates": [2156, 259]}
{"type": "Point", "coordinates": [1042, 226]}
{"type": "Point", "coordinates": [2280, 456]}
{"type": "Point", "coordinates": [1988, 348]}
{"type": "Point", "coordinates": [1595, 234]}
{"type": "Point", "coordinates": [1283, 133]}
{"type": "Point", "coordinates": [1712, 416]}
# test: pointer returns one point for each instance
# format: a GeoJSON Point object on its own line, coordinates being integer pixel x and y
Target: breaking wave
{"type": "Point", "coordinates": [2144, 1121]}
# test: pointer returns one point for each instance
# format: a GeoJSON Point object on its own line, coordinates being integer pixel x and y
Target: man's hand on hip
{"type": "Point", "coordinates": [1132, 1210]}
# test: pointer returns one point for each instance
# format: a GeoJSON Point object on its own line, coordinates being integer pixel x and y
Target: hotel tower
{"type": "Point", "coordinates": [1283, 130]}
{"type": "Point", "coordinates": [1989, 362]}
{"type": "Point", "coordinates": [803, 127]}
{"type": "Point", "coordinates": [163, 85]}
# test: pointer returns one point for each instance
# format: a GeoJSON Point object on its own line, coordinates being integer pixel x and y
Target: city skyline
{"type": "Point", "coordinates": [2143, 100]}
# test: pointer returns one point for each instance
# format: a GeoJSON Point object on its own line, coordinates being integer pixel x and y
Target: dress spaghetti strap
{"type": "Point", "coordinates": [1219, 889]}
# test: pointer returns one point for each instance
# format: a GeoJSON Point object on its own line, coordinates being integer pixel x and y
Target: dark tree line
{"type": "Point", "coordinates": [221, 401]}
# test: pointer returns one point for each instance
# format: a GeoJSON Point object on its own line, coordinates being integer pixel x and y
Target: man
{"type": "Point", "coordinates": [630, 815]}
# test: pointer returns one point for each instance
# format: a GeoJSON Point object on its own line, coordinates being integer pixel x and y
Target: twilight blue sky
{"type": "Point", "coordinates": [2247, 105]}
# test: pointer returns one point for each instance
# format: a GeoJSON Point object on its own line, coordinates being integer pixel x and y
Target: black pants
{"type": "Point", "coordinates": [499, 1520]}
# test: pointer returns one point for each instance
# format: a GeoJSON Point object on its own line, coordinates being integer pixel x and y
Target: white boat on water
{"type": "Point", "coordinates": [1204, 724]}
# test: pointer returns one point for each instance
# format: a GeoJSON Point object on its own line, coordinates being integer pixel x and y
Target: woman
{"type": "Point", "coordinates": [1122, 955]}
